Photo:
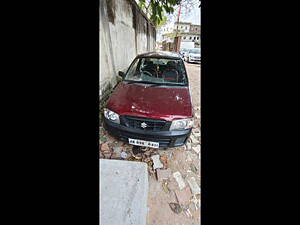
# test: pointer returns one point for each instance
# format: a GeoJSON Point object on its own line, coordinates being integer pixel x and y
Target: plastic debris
{"type": "Point", "coordinates": [193, 185]}
{"type": "Point", "coordinates": [175, 207]}
{"type": "Point", "coordinates": [197, 149]}
{"type": "Point", "coordinates": [179, 179]}
{"type": "Point", "coordinates": [124, 155]}
{"type": "Point", "coordinates": [194, 168]}
{"type": "Point", "coordinates": [103, 139]}
{"type": "Point", "coordinates": [156, 162]}
{"type": "Point", "coordinates": [165, 187]}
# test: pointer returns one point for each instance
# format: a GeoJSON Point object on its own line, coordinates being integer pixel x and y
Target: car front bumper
{"type": "Point", "coordinates": [165, 138]}
{"type": "Point", "coordinates": [195, 60]}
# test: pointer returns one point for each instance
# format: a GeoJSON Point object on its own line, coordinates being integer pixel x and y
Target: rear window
{"type": "Point", "coordinates": [158, 71]}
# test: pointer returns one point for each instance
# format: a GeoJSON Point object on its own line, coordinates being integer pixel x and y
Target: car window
{"type": "Point", "coordinates": [158, 71]}
{"type": "Point", "coordinates": [195, 51]}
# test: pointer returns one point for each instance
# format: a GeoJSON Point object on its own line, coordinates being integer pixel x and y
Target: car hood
{"type": "Point", "coordinates": [158, 102]}
{"type": "Point", "coordinates": [194, 55]}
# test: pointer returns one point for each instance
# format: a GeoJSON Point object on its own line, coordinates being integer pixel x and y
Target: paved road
{"type": "Point", "coordinates": [179, 160]}
{"type": "Point", "coordinates": [194, 75]}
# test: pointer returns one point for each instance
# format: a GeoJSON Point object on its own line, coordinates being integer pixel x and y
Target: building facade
{"type": "Point", "coordinates": [187, 31]}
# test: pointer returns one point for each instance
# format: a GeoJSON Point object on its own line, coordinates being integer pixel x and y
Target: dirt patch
{"type": "Point", "coordinates": [111, 7]}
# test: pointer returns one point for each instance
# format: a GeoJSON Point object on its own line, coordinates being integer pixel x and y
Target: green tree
{"type": "Point", "coordinates": [197, 42]}
{"type": "Point", "coordinates": [155, 10]}
{"type": "Point", "coordinates": [162, 22]}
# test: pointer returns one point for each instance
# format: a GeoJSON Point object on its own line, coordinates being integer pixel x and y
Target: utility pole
{"type": "Point", "coordinates": [177, 39]}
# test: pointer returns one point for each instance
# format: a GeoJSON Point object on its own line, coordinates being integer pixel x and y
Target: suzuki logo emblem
{"type": "Point", "coordinates": [143, 125]}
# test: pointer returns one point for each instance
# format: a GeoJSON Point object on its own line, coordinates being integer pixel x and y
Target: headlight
{"type": "Point", "coordinates": [182, 124]}
{"type": "Point", "coordinates": [112, 116]}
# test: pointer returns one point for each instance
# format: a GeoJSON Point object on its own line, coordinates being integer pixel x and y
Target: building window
{"type": "Point", "coordinates": [183, 38]}
{"type": "Point", "coordinates": [190, 38]}
{"type": "Point", "coordinates": [197, 38]}
{"type": "Point", "coordinates": [194, 38]}
{"type": "Point", "coordinates": [186, 28]}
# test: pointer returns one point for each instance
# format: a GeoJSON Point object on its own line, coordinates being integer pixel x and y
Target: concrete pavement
{"type": "Point", "coordinates": [123, 192]}
{"type": "Point", "coordinates": [194, 75]}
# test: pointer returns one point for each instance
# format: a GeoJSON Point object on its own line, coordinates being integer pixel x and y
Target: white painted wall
{"type": "Point", "coordinates": [121, 39]}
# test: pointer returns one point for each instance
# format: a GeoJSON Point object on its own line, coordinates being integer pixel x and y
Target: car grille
{"type": "Point", "coordinates": [163, 142]}
{"type": "Point", "coordinates": [141, 123]}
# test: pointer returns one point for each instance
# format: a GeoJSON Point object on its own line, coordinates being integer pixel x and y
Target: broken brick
{"type": "Point", "coordinates": [183, 196]}
{"type": "Point", "coordinates": [188, 146]}
{"type": "Point", "coordinates": [115, 156]}
{"type": "Point", "coordinates": [107, 155]}
{"type": "Point", "coordinates": [117, 149]}
{"type": "Point", "coordinates": [175, 207]}
{"type": "Point", "coordinates": [172, 184]}
{"type": "Point", "coordinates": [164, 160]}
{"type": "Point", "coordinates": [163, 174]}
{"type": "Point", "coordinates": [197, 149]}
{"type": "Point", "coordinates": [194, 139]}
{"type": "Point", "coordinates": [179, 179]}
{"type": "Point", "coordinates": [104, 147]}
{"type": "Point", "coordinates": [193, 185]}
{"type": "Point", "coordinates": [101, 156]}
{"type": "Point", "coordinates": [156, 162]}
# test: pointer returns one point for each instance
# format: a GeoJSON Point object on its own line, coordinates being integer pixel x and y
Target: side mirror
{"type": "Point", "coordinates": [121, 74]}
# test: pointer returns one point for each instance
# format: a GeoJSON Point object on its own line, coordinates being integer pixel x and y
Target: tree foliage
{"type": "Point", "coordinates": [157, 9]}
{"type": "Point", "coordinates": [162, 22]}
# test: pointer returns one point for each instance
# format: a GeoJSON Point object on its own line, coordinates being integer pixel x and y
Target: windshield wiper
{"type": "Point", "coordinates": [166, 84]}
{"type": "Point", "coordinates": [132, 81]}
{"type": "Point", "coordinates": [154, 84]}
{"type": "Point", "coordinates": [142, 82]}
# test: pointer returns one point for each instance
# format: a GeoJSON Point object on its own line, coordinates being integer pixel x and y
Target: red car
{"type": "Point", "coordinates": [152, 105]}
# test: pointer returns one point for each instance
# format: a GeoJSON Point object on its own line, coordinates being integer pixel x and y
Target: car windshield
{"type": "Point", "coordinates": [157, 71]}
{"type": "Point", "coordinates": [195, 51]}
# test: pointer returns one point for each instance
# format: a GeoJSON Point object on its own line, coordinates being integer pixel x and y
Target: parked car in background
{"type": "Point", "coordinates": [183, 51]}
{"type": "Point", "coordinates": [152, 105]}
{"type": "Point", "coordinates": [193, 55]}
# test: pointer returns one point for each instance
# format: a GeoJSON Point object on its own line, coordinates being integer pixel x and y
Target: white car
{"type": "Point", "coordinates": [193, 55]}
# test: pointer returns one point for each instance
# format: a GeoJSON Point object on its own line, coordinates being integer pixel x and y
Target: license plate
{"type": "Point", "coordinates": [144, 143]}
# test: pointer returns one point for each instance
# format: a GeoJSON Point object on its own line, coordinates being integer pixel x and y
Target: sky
{"type": "Point", "coordinates": [193, 17]}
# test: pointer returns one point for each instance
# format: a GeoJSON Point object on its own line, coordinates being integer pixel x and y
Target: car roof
{"type": "Point", "coordinates": [160, 54]}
